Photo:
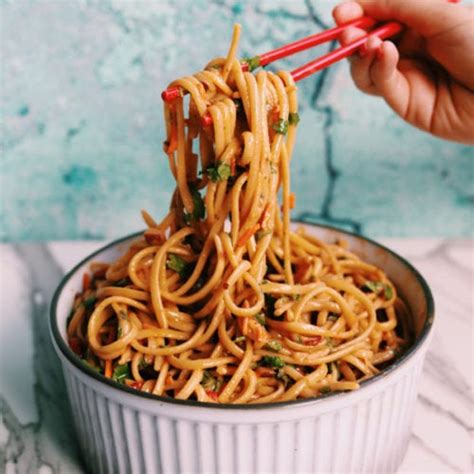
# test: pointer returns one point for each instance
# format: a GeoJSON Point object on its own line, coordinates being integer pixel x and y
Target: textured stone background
{"type": "Point", "coordinates": [83, 128]}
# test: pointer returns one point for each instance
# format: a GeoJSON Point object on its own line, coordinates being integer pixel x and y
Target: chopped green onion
{"type": "Point", "coordinates": [378, 287]}
{"type": "Point", "coordinates": [209, 382]}
{"type": "Point", "coordinates": [325, 389]}
{"type": "Point", "coordinates": [220, 172]}
{"type": "Point", "coordinates": [121, 372]}
{"type": "Point", "coordinates": [119, 332]}
{"type": "Point", "coordinates": [388, 292]}
{"type": "Point", "coordinates": [253, 63]}
{"type": "Point", "coordinates": [177, 264]}
{"type": "Point", "coordinates": [143, 364]}
{"type": "Point", "coordinates": [281, 126]}
{"type": "Point", "coordinates": [273, 361]}
{"type": "Point", "coordinates": [274, 346]}
{"type": "Point", "coordinates": [294, 118]}
{"type": "Point", "coordinates": [199, 210]}
{"type": "Point", "coordinates": [260, 317]}
{"type": "Point", "coordinates": [239, 339]}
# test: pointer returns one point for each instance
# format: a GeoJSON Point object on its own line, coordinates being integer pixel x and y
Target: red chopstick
{"type": "Point", "coordinates": [383, 32]}
{"type": "Point", "coordinates": [310, 42]}
{"type": "Point", "coordinates": [284, 51]}
{"type": "Point", "coordinates": [386, 31]}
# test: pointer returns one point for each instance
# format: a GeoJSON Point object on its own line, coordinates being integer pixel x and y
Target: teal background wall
{"type": "Point", "coordinates": [82, 122]}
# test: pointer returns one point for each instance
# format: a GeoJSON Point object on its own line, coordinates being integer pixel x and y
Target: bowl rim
{"type": "Point", "coordinates": [63, 348]}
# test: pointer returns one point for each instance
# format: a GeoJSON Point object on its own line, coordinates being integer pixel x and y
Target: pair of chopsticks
{"type": "Point", "coordinates": [383, 32]}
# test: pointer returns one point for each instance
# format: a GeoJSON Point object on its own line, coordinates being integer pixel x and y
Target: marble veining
{"type": "Point", "coordinates": [80, 89]}
{"type": "Point", "coordinates": [36, 434]}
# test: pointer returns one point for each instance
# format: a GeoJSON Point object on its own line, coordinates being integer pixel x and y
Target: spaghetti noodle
{"type": "Point", "coordinates": [222, 301]}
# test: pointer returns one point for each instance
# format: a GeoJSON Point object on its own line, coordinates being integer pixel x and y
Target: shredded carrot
{"type": "Point", "coordinates": [86, 281]}
{"type": "Point", "coordinates": [247, 235]}
{"type": "Point", "coordinates": [108, 368]}
{"type": "Point", "coordinates": [302, 268]}
{"type": "Point", "coordinates": [233, 164]}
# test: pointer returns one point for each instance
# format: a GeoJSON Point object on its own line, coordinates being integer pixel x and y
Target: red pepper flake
{"type": "Point", "coordinates": [86, 281]}
{"type": "Point", "coordinates": [136, 384]}
{"type": "Point", "coordinates": [313, 341]}
{"type": "Point", "coordinates": [212, 394]}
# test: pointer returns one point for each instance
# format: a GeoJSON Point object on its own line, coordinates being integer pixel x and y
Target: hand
{"type": "Point", "coordinates": [428, 78]}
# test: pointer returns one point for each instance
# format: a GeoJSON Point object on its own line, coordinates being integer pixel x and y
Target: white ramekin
{"type": "Point", "coordinates": [121, 430]}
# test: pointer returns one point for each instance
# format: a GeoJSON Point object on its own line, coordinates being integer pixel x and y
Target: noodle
{"type": "Point", "coordinates": [222, 301]}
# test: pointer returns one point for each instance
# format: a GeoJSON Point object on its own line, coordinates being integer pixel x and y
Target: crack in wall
{"type": "Point", "coordinates": [325, 215]}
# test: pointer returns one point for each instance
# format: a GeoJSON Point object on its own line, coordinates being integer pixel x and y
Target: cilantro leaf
{"type": "Point", "coordinates": [209, 382]}
{"type": "Point", "coordinates": [221, 171]}
{"type": "Point", "coordinates": [274, 346]}
{"type": "Point", "coordinates": [281, 126]}
{"type": "Point", "coordinates": [177, 264]}
{"type": "Point", "coordinates": [293, 118]}
{"type": "Point", "coordinates": [273, 361]}
{"type": "Point", "coordinates": [121, 372]}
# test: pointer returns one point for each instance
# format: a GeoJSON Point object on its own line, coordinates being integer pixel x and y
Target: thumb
{"type": "Point", "coordinates": [427, 17]}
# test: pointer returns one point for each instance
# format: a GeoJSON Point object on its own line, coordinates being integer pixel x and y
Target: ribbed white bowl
{"type": "Point", "coordinates": [121, 430]}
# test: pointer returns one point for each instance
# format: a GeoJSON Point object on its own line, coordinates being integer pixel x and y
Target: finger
{"type": "Point", "coordinates": [351, 34]}
{"type": "Point", "coordinates": [428, 17]}
{"type": "Point", "coordinates": [361, 66]}
{"type": "Point", "coordinates": [388, 81]}
{"type": "Point", "coordinates": [346, 12]}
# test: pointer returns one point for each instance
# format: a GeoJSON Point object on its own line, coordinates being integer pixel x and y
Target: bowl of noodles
{"type": "Point", "coordinates": [225, 338]}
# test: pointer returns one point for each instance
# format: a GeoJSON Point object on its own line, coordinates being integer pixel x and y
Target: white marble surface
{"type": "Point", "coordinates": [36, 434]}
